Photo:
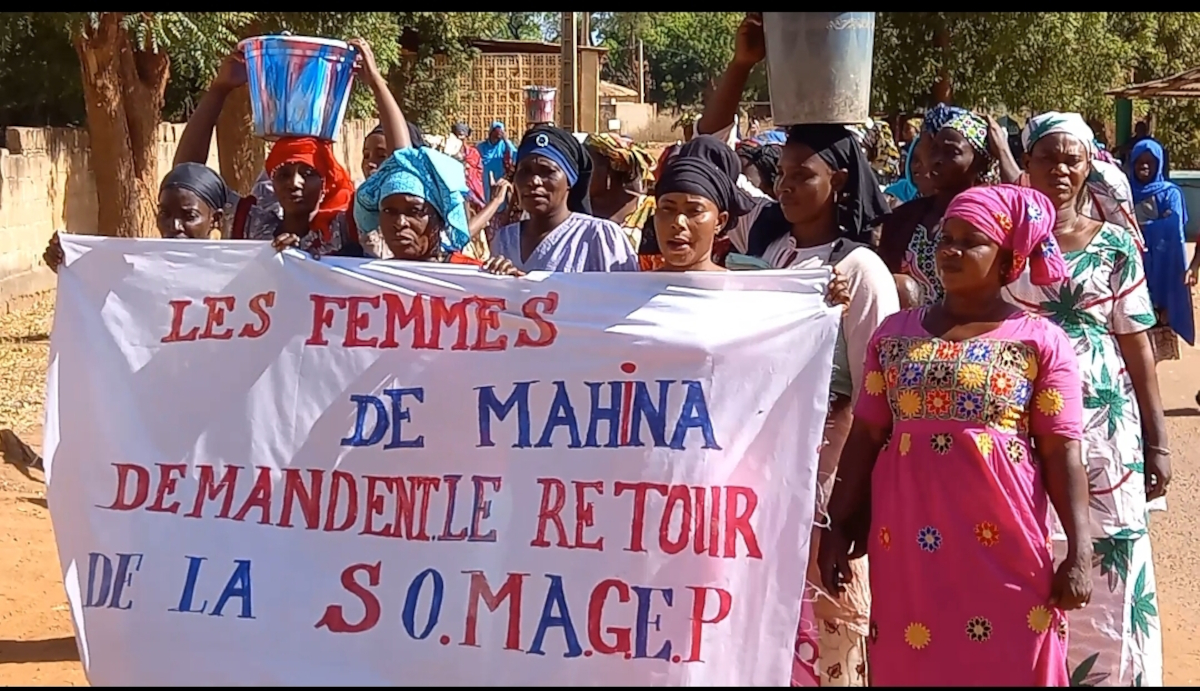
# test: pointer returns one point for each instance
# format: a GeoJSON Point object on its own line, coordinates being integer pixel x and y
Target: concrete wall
{"type": "Point", "coordinates": [46, 184]}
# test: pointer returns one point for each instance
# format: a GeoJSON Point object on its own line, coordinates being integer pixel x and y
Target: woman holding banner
{"type": "Point", "coordinates": [192, 199]}
{"type": "Point", "coordinates": [979, 406]}
{"type": "Point", "coordinates": [415, 205]}
{"type": "Point", "coordinates": [694, 203]}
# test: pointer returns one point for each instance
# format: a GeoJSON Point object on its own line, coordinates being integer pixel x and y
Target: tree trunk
{"type": "Point", "coordinates": [123, 88]}
{"type": "Point", "coordinates": [943, 88]}
{"type": "Point", "coordinates": [242, 155]}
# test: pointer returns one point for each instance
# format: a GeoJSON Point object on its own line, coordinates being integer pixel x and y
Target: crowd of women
{"type": "Point", "coordinates": [995, 437]}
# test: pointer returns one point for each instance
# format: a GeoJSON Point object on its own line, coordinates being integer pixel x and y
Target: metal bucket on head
{"type": "Point", "coordinates": [540, 102]}
{"type": "Point", "coordinates": [819, 66]}
{"type": "Point", "coordinates": [299, 86]}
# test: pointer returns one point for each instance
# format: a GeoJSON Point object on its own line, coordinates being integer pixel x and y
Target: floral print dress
{"type": "Point", "coordinates": [1116, 640]}
{"type": "Point", "coordinates": [960, 546]}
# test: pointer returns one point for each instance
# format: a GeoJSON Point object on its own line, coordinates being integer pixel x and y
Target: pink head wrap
{"type": "Point", "coordinates": [1020, 219]}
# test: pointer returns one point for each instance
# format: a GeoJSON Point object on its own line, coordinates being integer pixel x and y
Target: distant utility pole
{"type": "Point", "coordinates": [641, 71]}
{"type": "Point", "coordinates": [568, 92]}
{"type": "Point", "coordinates": [585, 28]}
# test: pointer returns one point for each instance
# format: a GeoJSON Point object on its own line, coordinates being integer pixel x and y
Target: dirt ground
{"type": "Point", "coordinates": [37, 644]}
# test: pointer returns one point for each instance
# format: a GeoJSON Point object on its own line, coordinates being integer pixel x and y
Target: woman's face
{"type": "Point", "coordinates": [952, 161]}
{"type": "Point", "coordinates": [805, 185]}
{"type": "Point", "coordinates": [411, 227]}
{"type": "Point", "coordinates": [968, 261]}
{"type": "Point", "coordinates": [496, 134]}
{"type": "Point", "coordinates": [685, 226]}
{"type": "Point", "coordinates": [542, 187]}
{"type": "Point", "coordinates": [183, 215]}
{"type": "Point", "coordinates": [1058, 167]}
{"type": "Point", "coordinates": [1144, 167]}
{"type": "Point", "coordinates": [297, 187]}
{"type": "Point", "coordinates": [374, 153]}
{"type": "Point", "coordinates": [920, 166]}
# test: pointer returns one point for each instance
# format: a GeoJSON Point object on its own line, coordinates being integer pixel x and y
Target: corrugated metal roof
{"type": "Point", "coordinates": [611, 90]}
{"type": "Point", "coordinates": [1185, 84]}
{"type": "Point", "coordinates": [501, 46]}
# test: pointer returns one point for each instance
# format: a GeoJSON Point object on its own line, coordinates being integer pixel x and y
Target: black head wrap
{"type": "Point", "coordinates": [568, 153]}
{"type": "Point", "coordinates": [861, 203]}
{"type": "Point", "coordinates": [698, 176]}
{"type": "Point", "coordinates": [764, 157]}
{"type": "Point", "coordinates": [718, 153]}
{"type": "Point", "coordinates": [203, 181]}
{"type": "Point", "coordinates": [415, 135]}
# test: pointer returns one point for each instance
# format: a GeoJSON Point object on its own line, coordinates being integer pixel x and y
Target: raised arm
{"type": "Point", "coordinates": [750, 49]}
{"type": "Point", "coordinates": [501, 191]}
{"type": "Point", "coordinates": [391, 118]}
{"type": "Point", "coordinates": [198, 132]}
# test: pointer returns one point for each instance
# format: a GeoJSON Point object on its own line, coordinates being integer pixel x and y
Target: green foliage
{"type": "Point", "coordinates": [684, 52]}
{"type": "Point", "coordinates": [517, 26]}
{"type": "Point", "coordinates": [1167, 43]}
{"type": "Point", "coordinates": [39, 69]}
{"type": "Point", "coordinates": [40, 81]}
{"type": "Point", "coordinates": [1039, 60]}
{"type": "Point", "coordinates": [1013, 60]}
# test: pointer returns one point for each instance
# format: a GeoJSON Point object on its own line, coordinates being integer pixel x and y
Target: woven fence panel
{"type": "Point", "coordinates": [494, 89]}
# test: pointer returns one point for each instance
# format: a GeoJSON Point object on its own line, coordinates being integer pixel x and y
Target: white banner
{"type": "Point", "coordinates": [266, 469]}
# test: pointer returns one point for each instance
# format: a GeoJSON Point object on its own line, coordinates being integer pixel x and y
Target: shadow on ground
{"type": "Point", "coordinates": [48, 650]}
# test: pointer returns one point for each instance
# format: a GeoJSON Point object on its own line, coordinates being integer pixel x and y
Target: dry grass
{"type": "Point", "coordinates": [660, 129]}
{"type": "Point", "coordinates": [24, 349]}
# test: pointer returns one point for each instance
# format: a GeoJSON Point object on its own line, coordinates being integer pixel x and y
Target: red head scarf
{"type": "Point", "coordinates": [336, 186]}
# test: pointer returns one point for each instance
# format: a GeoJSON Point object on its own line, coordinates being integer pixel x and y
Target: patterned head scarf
{"type": "Point", "coordinates": [763, 156]}
{"type": "Point", "coordinates": [1110, 195]}
{"type": "Point", "coordinates": [426, 173]}
{"type": "Point", "coordinates": [1019, 219]}
{"type": "Point", "coordinates": [623, 155]}
{"type": "Point", "coordinates": [937, 117]}
{"type": "Point", "coordinates": [974, 129]}
{"type": "Point", "coordinates": [882, 150]}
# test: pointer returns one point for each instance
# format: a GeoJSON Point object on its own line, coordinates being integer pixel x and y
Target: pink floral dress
{"type": "Point", "coordinates": [960, 548]}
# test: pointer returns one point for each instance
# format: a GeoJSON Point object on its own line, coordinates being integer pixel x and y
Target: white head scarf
{"type": "Point", "coordinates": [1110, 198]}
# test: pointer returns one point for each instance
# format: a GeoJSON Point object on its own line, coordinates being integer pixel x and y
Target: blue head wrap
{"type": "Point", "coordinates": [905, 189]}
{"type": "Point", "coordinates": [1158, 182]}
{"type": "Point", "coordinates": [541, 144]}
{"type": "Point", "coordinates": [426, 173]}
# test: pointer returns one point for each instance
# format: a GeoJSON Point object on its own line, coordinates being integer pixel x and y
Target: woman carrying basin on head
{"type": "Point", "coordinates": [305, 196]}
